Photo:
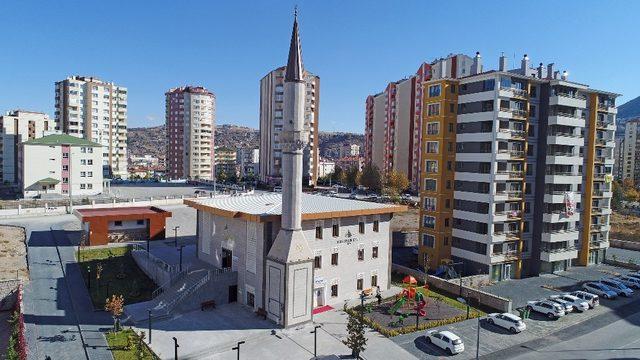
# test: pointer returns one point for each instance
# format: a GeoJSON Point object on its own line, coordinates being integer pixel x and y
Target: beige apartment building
{"type": "Point", "coordinates": [16, 127]}
{"type": "Point", "coordinates": [630, 151]}
{"type": "Point", "coordinates": [271, 123]}
{"type": "Point", "coordinates": [95, 110]}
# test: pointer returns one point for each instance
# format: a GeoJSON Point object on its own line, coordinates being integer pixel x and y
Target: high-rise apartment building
{"type": "Point", "coordinates": [190, 127]}
{"type": "Point", "coordinates": [17, 127]}
{"type": "Point", "coordinates": [517, 170]}
{"type": "Point", "coordinates": [271, 124]}
{"type": "Point", "coordinates": [248, 160]}
{"type": "Point", "coordinates": [89, 108]}
{"type": "Point", "coordinates": [629, 166]}
{"type": "Point", "coordinates": [393, 118]}
{"type": "Point", "coordinates": [226, 161]}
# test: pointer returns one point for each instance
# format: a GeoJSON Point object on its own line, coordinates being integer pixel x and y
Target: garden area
{"type": "Point", "coordinates": [397, 314]}
{"type": "Point", "coordinates": [127, 345]}
{"type": "Point", "coordinates": [112, 270]}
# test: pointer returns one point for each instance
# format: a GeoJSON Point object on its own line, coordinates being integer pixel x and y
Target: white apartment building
{"type": "Point", "coordinates": [16, 127]}
{"type": "Point", "coordinates": [190, 126]}
{"type": "Point", "coordinates": [60, 164]}
{"type": "Point", "coordinates": [95, 110]}
{"type": "Point", "coordinates": [271, 123]}
{"type": "Point", "coordinates": [248, 160]}
{"type": "Point", "coordinates": [326, 167]}
{"type": "Point", "coordinates": [348, 150]}
{"type": "Point", "coordinates": [630, 152]}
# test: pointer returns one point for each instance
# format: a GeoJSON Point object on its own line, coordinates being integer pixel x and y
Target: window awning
{"type": "Point", "coordinates": [48, 181]}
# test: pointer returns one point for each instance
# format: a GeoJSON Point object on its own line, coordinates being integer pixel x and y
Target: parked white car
{"type": "Point", "coordinates": [600, 290]}
{"type": "Point", "coordinates": [567, 306]}
{"type": "Point", "coordinates": [592, 299]}
{"type": "Point", "coordinates": [445, 340]}
{"type": "Point", "coordinates": [549, 308]}
{"type": "Point", "coordinates": [508, 321]}
{"type": "Point", "coordinates": [630, 281]}
{"type": "Point", "coordinates": [618, 287]}
{"type": "Point", "coordinates": [577, 303]}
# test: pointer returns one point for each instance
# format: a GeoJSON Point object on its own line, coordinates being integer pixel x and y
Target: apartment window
{"type": "Point", "coordinates": [449, 165]}
{"type": "Point", "coordinates": [335, 228]}
{"type": "Point", "coordinates": [533, 91]}
{"type": "Point", "coordinates": [431, 166]}
{"type": "Point", "coordinates": [117, 223]}
{"type": "Point", "coordinates": [83, 162]}
{"type": "Point", "coordinates": [532, 110]}
{"type": "Point", "coordinates": [376, 225]}
{"type": "Point", "coordinates": [451, 127]}
{"type": "Point", "coordinates": [452, 108]}
{"type": "Point", "coordinates": [83, 173]}
{"type": "Point", "coordinates": [89, 162]}
{"type": "Point", "coordinates": [434, 90]}
{"type": "Point", "coordinates": [428, 240]}
{"type": "Point", "coordinates": [65, 180]}
{"type": "Point", "coordinates": [361, 226]}
{"type": "Point", "coordinates": [89, 173]}
{"type": "Point", "coordinates": [90, 150]}
{"type": "Point", "coordinates": [446, 240]}
{"type": "Point", "coordinates": [432, 147]}
{"type": "Point", "coordinates": [429, 222]}
{"type": "Point", "coordinates": [140, 222]}
{"type": "Point", "coordinates": [449, 184]}
{"type": "Point", "coordinates": [433, 128]}
{"type": "Point", "coordinates": [430, 203]}
{"type": "Point", "coordinates": [83, 150]}
{"type": "Point", "coordinates": [360, 254]}
{"type": "Point", "coordinates": [318, 230]}
{"type": "Point", "coordinates": [334, 290]}
{"type": "Point", "coordinates": [532, 130]}
{"type": "Point", "coordinates": [334, 258]}
{"type": "Point", "coordinates": [446, 222]}
{"type": "Point", "coordinates": [317, 262]}
{"type": "Point", "coordinates": [65, 167]}
{"type": "Point", "coordinates": [65, 155]}
{"type": "Point", "coordinates": [83, 186]}
{"type": "Point", "coordinates": [433, 109]}
{"type": "Point", "coordinates": [374, 252]}
{"type": "Point", "coordinates": [374, 280]}
{"type": "Point", "coordinates": [359, 284]}
{"type": "Point", "coordinates": [430, 184]}
{"type": "Point", "coordinates": [452, 88]}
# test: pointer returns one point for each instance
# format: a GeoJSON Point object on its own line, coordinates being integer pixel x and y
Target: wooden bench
{"type": "Point", "coordinates": [211, 304]}
{"type": "Point", "coordinates": [261, 313]}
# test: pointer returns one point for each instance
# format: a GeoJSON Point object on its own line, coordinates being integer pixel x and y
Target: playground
{"type": "Point", "coordinates": [397, 314]}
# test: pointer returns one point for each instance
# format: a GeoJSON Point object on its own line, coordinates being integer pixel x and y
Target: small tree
{"type": "Point", "coordinates": [371, 178]}
{"type": "Point", "coordinates": [356, 341]}
{"type": "Point", "coordinates": [115, 305]}
{"type": "Point", "coordinates": [349, 177]}
{"type": "Point", "coordinates": [396, 182]}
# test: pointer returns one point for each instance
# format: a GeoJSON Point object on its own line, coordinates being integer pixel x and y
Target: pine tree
{"type": "Point", "coordinates": [356, 340]}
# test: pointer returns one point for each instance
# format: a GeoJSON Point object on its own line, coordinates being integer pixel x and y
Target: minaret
{"type": "Point", "coordinates": [289, 270]}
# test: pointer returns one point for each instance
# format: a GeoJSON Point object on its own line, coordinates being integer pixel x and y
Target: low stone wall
{"type": "Point", "coordinates": [453, 287]}
{"type": "Point", "coordinates": [159, 273]}
{"type": "Point", "coordinates": [622, 264]}
{"type": "Point", "coordinates": [404, 238]}
{"type": "Point", "coordinates": [8, 294]}
{"type": "Point", "coordinates": [624, 244]}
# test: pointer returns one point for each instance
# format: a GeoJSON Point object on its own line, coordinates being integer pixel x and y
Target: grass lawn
{"type": "Point", "coordinates": [123, 346]}
{"type": "Point", "coordinates": [120, 275]}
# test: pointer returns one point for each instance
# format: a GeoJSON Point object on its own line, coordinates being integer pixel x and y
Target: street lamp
{"type": "Point", "coordinates": [237, 348]}
{"type": "Point", "coordinates": [175, 348]}
{"type": "Point", "coordinates": [180, 249]}
{"type": "Point", "coordinates": [89, 275]}
{"type": "Point", "coordinates": [149, 311]}
{"type": "Point", "coordinates": [315, 340]}
{"type": "Point", "coordinates": [175, 235]}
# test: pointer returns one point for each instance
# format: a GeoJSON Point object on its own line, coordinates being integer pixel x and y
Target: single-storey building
{"type": "Point", "coordinates": [104, 225]}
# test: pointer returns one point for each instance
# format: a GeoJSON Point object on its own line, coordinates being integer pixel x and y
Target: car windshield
{"type": "Point", "coordinates": [457, 342]}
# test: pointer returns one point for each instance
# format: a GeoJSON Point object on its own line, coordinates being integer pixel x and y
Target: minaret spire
{"type": "Point", "coordinates": [295, 68]}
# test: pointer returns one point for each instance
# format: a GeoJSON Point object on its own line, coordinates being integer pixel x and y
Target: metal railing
{"type": "Point", "coordinates": [193, 288]}
{"type": "Point", "coordinates": [570, 95]}
{"type": "Point", "coordinates": [169, 283]}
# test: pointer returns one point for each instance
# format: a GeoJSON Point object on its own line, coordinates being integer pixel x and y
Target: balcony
{"type": "Point", "coordinates": [557, 197]}
{"type": "Point", "coordinates": [602, 193]}
{"type": "Point", "coordinates": [567, 119]}
{"type": "Point", "coordinates": [560, 216]}
{"type": "Point", "coordinates": [504, 256]}
{"type": "Point", "coordinates": [514, 92]}
{"type": "Point", "coordinates": [506, 175]}
{"type": "Point", "coordinates": [511, 134]}
{"type": "Point", "coordinates": [560, 235]}
{"type": "Point", "coordinates": [563, 158]}
{"type": "Point", "coordinates": [516, 114]}
{"type": "Point", "coordinates": [599, 227]}
{"type": "Point", "coordinates": [574, 100]}
{"type": "Point", "coordinates": [565, 138]}
{"type": "Point", "coordinates": [596, 210]}
{"type": "Point", "coordinates": [551, 255]}
{"type": "Point", "coordinates": [606, 107]}
{"type": "Point", "coordinates": [598, 244]}
{"type": "Point", "coordinates": [605, 125]}
{"type": "Point", "coordinates": [605, 143]}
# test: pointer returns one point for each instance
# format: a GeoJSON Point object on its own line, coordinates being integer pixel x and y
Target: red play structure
{"type": "Point", "coordinates": [411, 297]}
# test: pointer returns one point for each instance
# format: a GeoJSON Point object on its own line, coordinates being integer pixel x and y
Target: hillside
{"type": "Point", "coordinates": [151, 140]}
{"type": "Point", "coordinates": [629, 109]}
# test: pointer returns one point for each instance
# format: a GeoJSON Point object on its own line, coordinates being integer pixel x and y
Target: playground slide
{"type": "Point", "coordinates": [397, 305]}
{"type": "Point", "coordinates": [420, 308]}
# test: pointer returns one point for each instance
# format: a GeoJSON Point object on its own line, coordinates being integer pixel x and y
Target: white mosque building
{"type": "Point", "coordinates": [294, 252]}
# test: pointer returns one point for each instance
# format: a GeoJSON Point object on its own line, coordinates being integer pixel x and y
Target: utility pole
{"type": "Point", "coordinates": [315, 340]}
{"type": "Point", "coordinates": [180, 249]}
{"type": "Point", "coordinates": [175, 235]}
{"type": "Point", "coordinates": [149, 311]}
{"type": "Point", "coordinates": [175, 348]}
{"type": "Point", "coordinates": [478, 339]}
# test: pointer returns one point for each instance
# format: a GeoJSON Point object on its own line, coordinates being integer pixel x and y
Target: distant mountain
{"type": "Point", "coordinates": [152, 141]}
{"type": "Point", "coordinates": [630, 109]}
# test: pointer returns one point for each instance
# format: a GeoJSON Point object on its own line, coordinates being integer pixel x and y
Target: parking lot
{"type": "Point", "coordinates": [494, 340]}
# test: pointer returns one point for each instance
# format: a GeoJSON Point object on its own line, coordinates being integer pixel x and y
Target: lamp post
{"type": "Point", "coordinates": [175, 235]}
{"type": "Point", "coordinates": [175, 348]}
{"type": "Point", "coordinates": [237, 348]}
{"type": "Point", "coordinates": [362, 296]}
{"type": "Point", "coordinates": [315, 340]}
{"type": "Point", "coordinates": [148, 241]}
{"type": "Point", "coordinates": [149, 312]}
{"type": "Point", "coordinates": [478, 338]}
{"type": "Point", "coordinates": [180, 250]}
{"type": "Point", "coordinates": [89, 275]}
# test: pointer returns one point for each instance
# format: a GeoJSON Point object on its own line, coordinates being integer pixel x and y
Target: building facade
{"type": "Point", "coordinates": [66, 165]}
{"type": "Point", "coordinates": [347, 150]}
{"type": "Point", "coordinates": [629, 166]}
{"type": "Point", "coordinates": [226, 161]}
{"type": "Point", "coordinates": [528, 179]}
{"type": "Point", "coordinates": [393, 118]}
{"type": "Point", "coordinates": [326, 167]}
{"type": "Point", "coordinates": [272, 103]}
{"type": "Point", "coordinates": [190, 130]}
{"type": "Point", "coordinates": [95, 110]}
{"type": "Point", "coordinates": [17, 127]}
{"type": "Point", "coordinates": [248, 160]}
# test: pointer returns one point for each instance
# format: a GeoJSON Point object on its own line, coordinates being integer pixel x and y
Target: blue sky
{"type": "Point", "coordinates": [355, 46]}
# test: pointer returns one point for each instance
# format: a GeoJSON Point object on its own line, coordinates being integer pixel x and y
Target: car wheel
{"type": "Point", "coordinates": [551, 316]}
{"type": "Point", "coordinates": [490, 321]}
{"type": "Point", "coordinates": [428, 340]}
{"type": "Point", "coordinates": [449, 351]}
{"type": "Point", "coordinates": [513, 330]}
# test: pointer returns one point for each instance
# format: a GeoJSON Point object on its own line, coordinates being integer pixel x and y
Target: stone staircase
{"type": "Point", "coordinates": [169, 295]}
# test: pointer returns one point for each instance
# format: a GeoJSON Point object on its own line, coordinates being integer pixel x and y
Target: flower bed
{"type": "Point", "coordinates": [17, 349]}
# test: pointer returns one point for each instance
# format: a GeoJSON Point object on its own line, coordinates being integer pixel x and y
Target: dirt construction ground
{"type": "Point", "coordinates": [406, 221]}
{"type": "Point", "coordinates": [13, 253]}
